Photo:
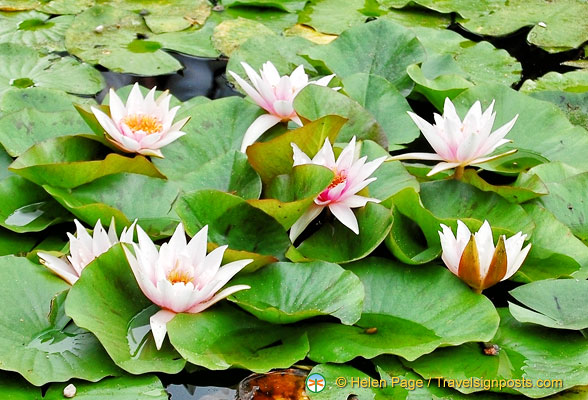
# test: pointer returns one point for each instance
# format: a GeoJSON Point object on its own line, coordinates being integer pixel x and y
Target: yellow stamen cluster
{"type": "Point", "coordinates": [178, 275]}
{"type": "Point", "coordinates": [142, 122]}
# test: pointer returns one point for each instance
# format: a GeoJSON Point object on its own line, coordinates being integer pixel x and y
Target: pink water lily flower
{"type": "Point", "coordinates": [143, 125]}
{"type": "Point", "coordinates": [458, 143]}
{"type": "Point", "coordinates": [475, 260]}
{"type": "Point", "coordinates": [180, 277]}
{"type": "Point", "coordinates": [275, 94]}
{"type": "Point", "coordinates": [84, 248]}
{"type": "Point", "coordinates": [351, 176]}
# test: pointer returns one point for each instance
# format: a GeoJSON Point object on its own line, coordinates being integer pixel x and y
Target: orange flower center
{"type": "Point", "coordinates": [339, 178]}
{"type": "Point", "coordinates": [141, 122]}
{"type": "Point", "coordinates": [178, 275]}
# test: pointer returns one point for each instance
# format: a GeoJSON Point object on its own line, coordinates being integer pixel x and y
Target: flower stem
{"type": "Point", "coordinates": [458, 174]}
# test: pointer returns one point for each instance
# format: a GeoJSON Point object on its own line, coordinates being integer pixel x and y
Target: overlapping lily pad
{"type": "Point", "coordinates": [573, 82]}
{"type": "Point", "coordinates": [569, 145]}
{"type": "Point", "coordinates": [121, 388]}
{"type": "Point", "coordinates": [288, 292]}
{"type": "Point", "coordinates": [107, 301]}
{"type": "Point", "coordinates": [38, 340]}
{"type": "Point", "coordinates": [125, 197]}
{"type": "Point", "coordinates": [409, 309]}
{"type": "Point", "coordinates": [234, 222]}
{"type": "Point", "coordinates": [207, 157]}
{"type": "Point", "coordinates": [34, 29]}
{"type": "Point", "coordinates": [388, 48]}
{"type": "Point", "coordinates": [255, 345]}
{"type": "Point", "coordinates": [552, 303]}
{"type": "Point", "coordinates": [556, 358]}
{"type": "Point", "coordinates": [286, 5]}
{"type": "Point", "coordinates": [22, 67]}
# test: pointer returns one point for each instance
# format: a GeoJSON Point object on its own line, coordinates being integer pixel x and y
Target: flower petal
{"type": "Point", "coordinates": [158, 322]}
{"type": "Point", "coordinates": [257, 128]}
{"type": "Point", "coordinates": [304, 220]}
{"type": "Point", "coordinates": [345, 215]}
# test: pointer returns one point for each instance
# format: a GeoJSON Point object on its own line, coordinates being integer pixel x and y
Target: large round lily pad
{"type": "Point", "coordinates": [36, 337]}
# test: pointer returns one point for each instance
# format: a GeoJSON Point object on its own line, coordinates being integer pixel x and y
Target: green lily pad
{"type": "Point", "coordinates": [567, 256]}
{"type": "Point", "coordinates": [230, 34]}
{"type": "Point", "coordinates": [70, 161]}
{"type": "Point", "coordinates": [115, 45]}
{"type": "Point", "coordinates": [574, 82]}
{"type": "Point", "coordinates": [387, 58]}
{"type": "Point", "coordinates": [283, 293]}
{"type": "Point", "coordinates": [557, 26]}
{"type": "Point", "coordinates": [40, 99]}
{"type": "Point", "coordinates": [34, 29]}
{"type": "Point", "coordinates": [36, 338]}
{"type": "Point", "coordinates": [565, 199]}
{"type": "Point", "coordinates": [207, 157]}
{"type": "Point", "coordinates": [385, 103]}
{"type": "Point", "coordinates": [333, 16]}
{"type": "Point", "coordinates": [107, 301]}
{"type": "Point", "coordinates": [412, 17]}
{"type": "Point", "coordinates": [125, 197]}
{"type": "Point", "coordinates": [14, 387]}
{"type": "Point", "coordinates": [194, 41]}
{"type": "Point", "coordinates": [391, 175]}
{"type": "Point", "coordinates": [282, 51]}
{"type": "Point", "coordinates": [446, 201]}
{"type": "Point", "coordinates": [540, 117]}
{"type": "Point", "coordinates": [26, 207]}
{"type": "Point", "coordinates": [22, 129]}
{"type": "Point", "coordinates": [455, 63]}
{"type": "Point", "coordinates": [275, 19]}
{"type": "Point", "coordinates": [526, 352]}
{"type": "Point", "coordinates": [286, 5]}
{"type": "Point", "coordinates": [336, 243]}
{"type": "Point", "coordinates": [23, 67]}
{"type": "Point", "coordinates": [14, 243]}
{"type": "Point", "coordinates": [167, 15]}
{"type": "Point", "coordinates": [289, 196]}
{"type": "Point", "coordinates": [232, 221]}
{"type": "Point", "coordinates": [315, 102]}
{"type": "Point", "coordinates": [574, 105]}
{"type": "Point", "coordinates": [202, 339]}
{"type": "Point", "coordinates": [410, 309]}
{"type": "Point", "coordinates": [526, 187]}
{"type": "Point", "coordinates": [275, 157]}
{"type": "Point", "coordinates": [121, 388]}
{"type": "Point", "coordinates": [552, 303]}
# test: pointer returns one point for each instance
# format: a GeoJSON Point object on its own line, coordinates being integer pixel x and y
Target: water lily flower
{"type": "Point", "coordinates": [180, 277]}
{"type": "Point", "coordinates": [458, 143]}
{"type": "Point", "coordinates": [84, 248]}
{"type": "Point", "coordinates": [351, 176]}
{"type": "Point", "coordinates": [143, 125]}
{"type": "Point", "coordinates": [275, 94]}
{"type": "Point", "coordinates": [475, 260]}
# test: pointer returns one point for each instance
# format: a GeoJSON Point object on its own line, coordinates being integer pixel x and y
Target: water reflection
{"type": "Point", "coordinates": [200, 77]}
{"type": "Point", "coordinates": [27, 214]}
{"type": "Point", "coordinates": [139, 329]}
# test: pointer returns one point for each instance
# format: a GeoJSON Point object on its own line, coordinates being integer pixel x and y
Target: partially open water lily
{"type": "Point", "coordinates": [180, 277]}
{"type": "Point", "coordinates": [475, 260]}
{"type": "Point", "coordinates": [84, 248]}
{"type": "Point", "coordinates": [457, 143]}
{"type": "Point", "coordinates": [275, 94]}
{"type": "Point", "coordinates": [351, 176]}
{"type": "Point", "coordinates": [143, 125]}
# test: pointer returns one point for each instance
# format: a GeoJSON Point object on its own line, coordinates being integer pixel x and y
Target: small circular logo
{"type": "Point", "coordinates": [315, 383]}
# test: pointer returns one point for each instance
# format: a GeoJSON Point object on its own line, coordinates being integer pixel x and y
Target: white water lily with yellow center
{"type": "Point", "coordinates": [143, 125]}
{"type": "Point", "coordinates": [275, 94]}
{"type": "Point", "coordinates": [475, 260]}
{"type": "Point", "coordinates": [84, 248]}
{"type": "Point", "coordinates": [457, 143]}
{"type": "Point", "coordinates": [180, 277]}
{"type": "Point", "coordinates": [351, 176]}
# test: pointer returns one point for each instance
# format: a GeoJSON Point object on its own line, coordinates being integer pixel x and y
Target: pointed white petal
{"type": "Point", "coordinates": [442, 166]}
{"type": "Point", "coordinates": [216, 298]}
{"type": "Point", "coordinates": [304, 220]}
{"type": "Point", "coordinates": [158, 322]}
{"type": "Point", "coordinates": [257, 128]}
{"type": "Point", "coordinates": [345, 215]}
{"type": "Point", "coordinates": [60, 267]}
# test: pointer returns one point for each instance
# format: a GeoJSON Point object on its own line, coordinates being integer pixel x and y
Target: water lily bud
{"type": "Point", "coordinates": [475, 260]}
